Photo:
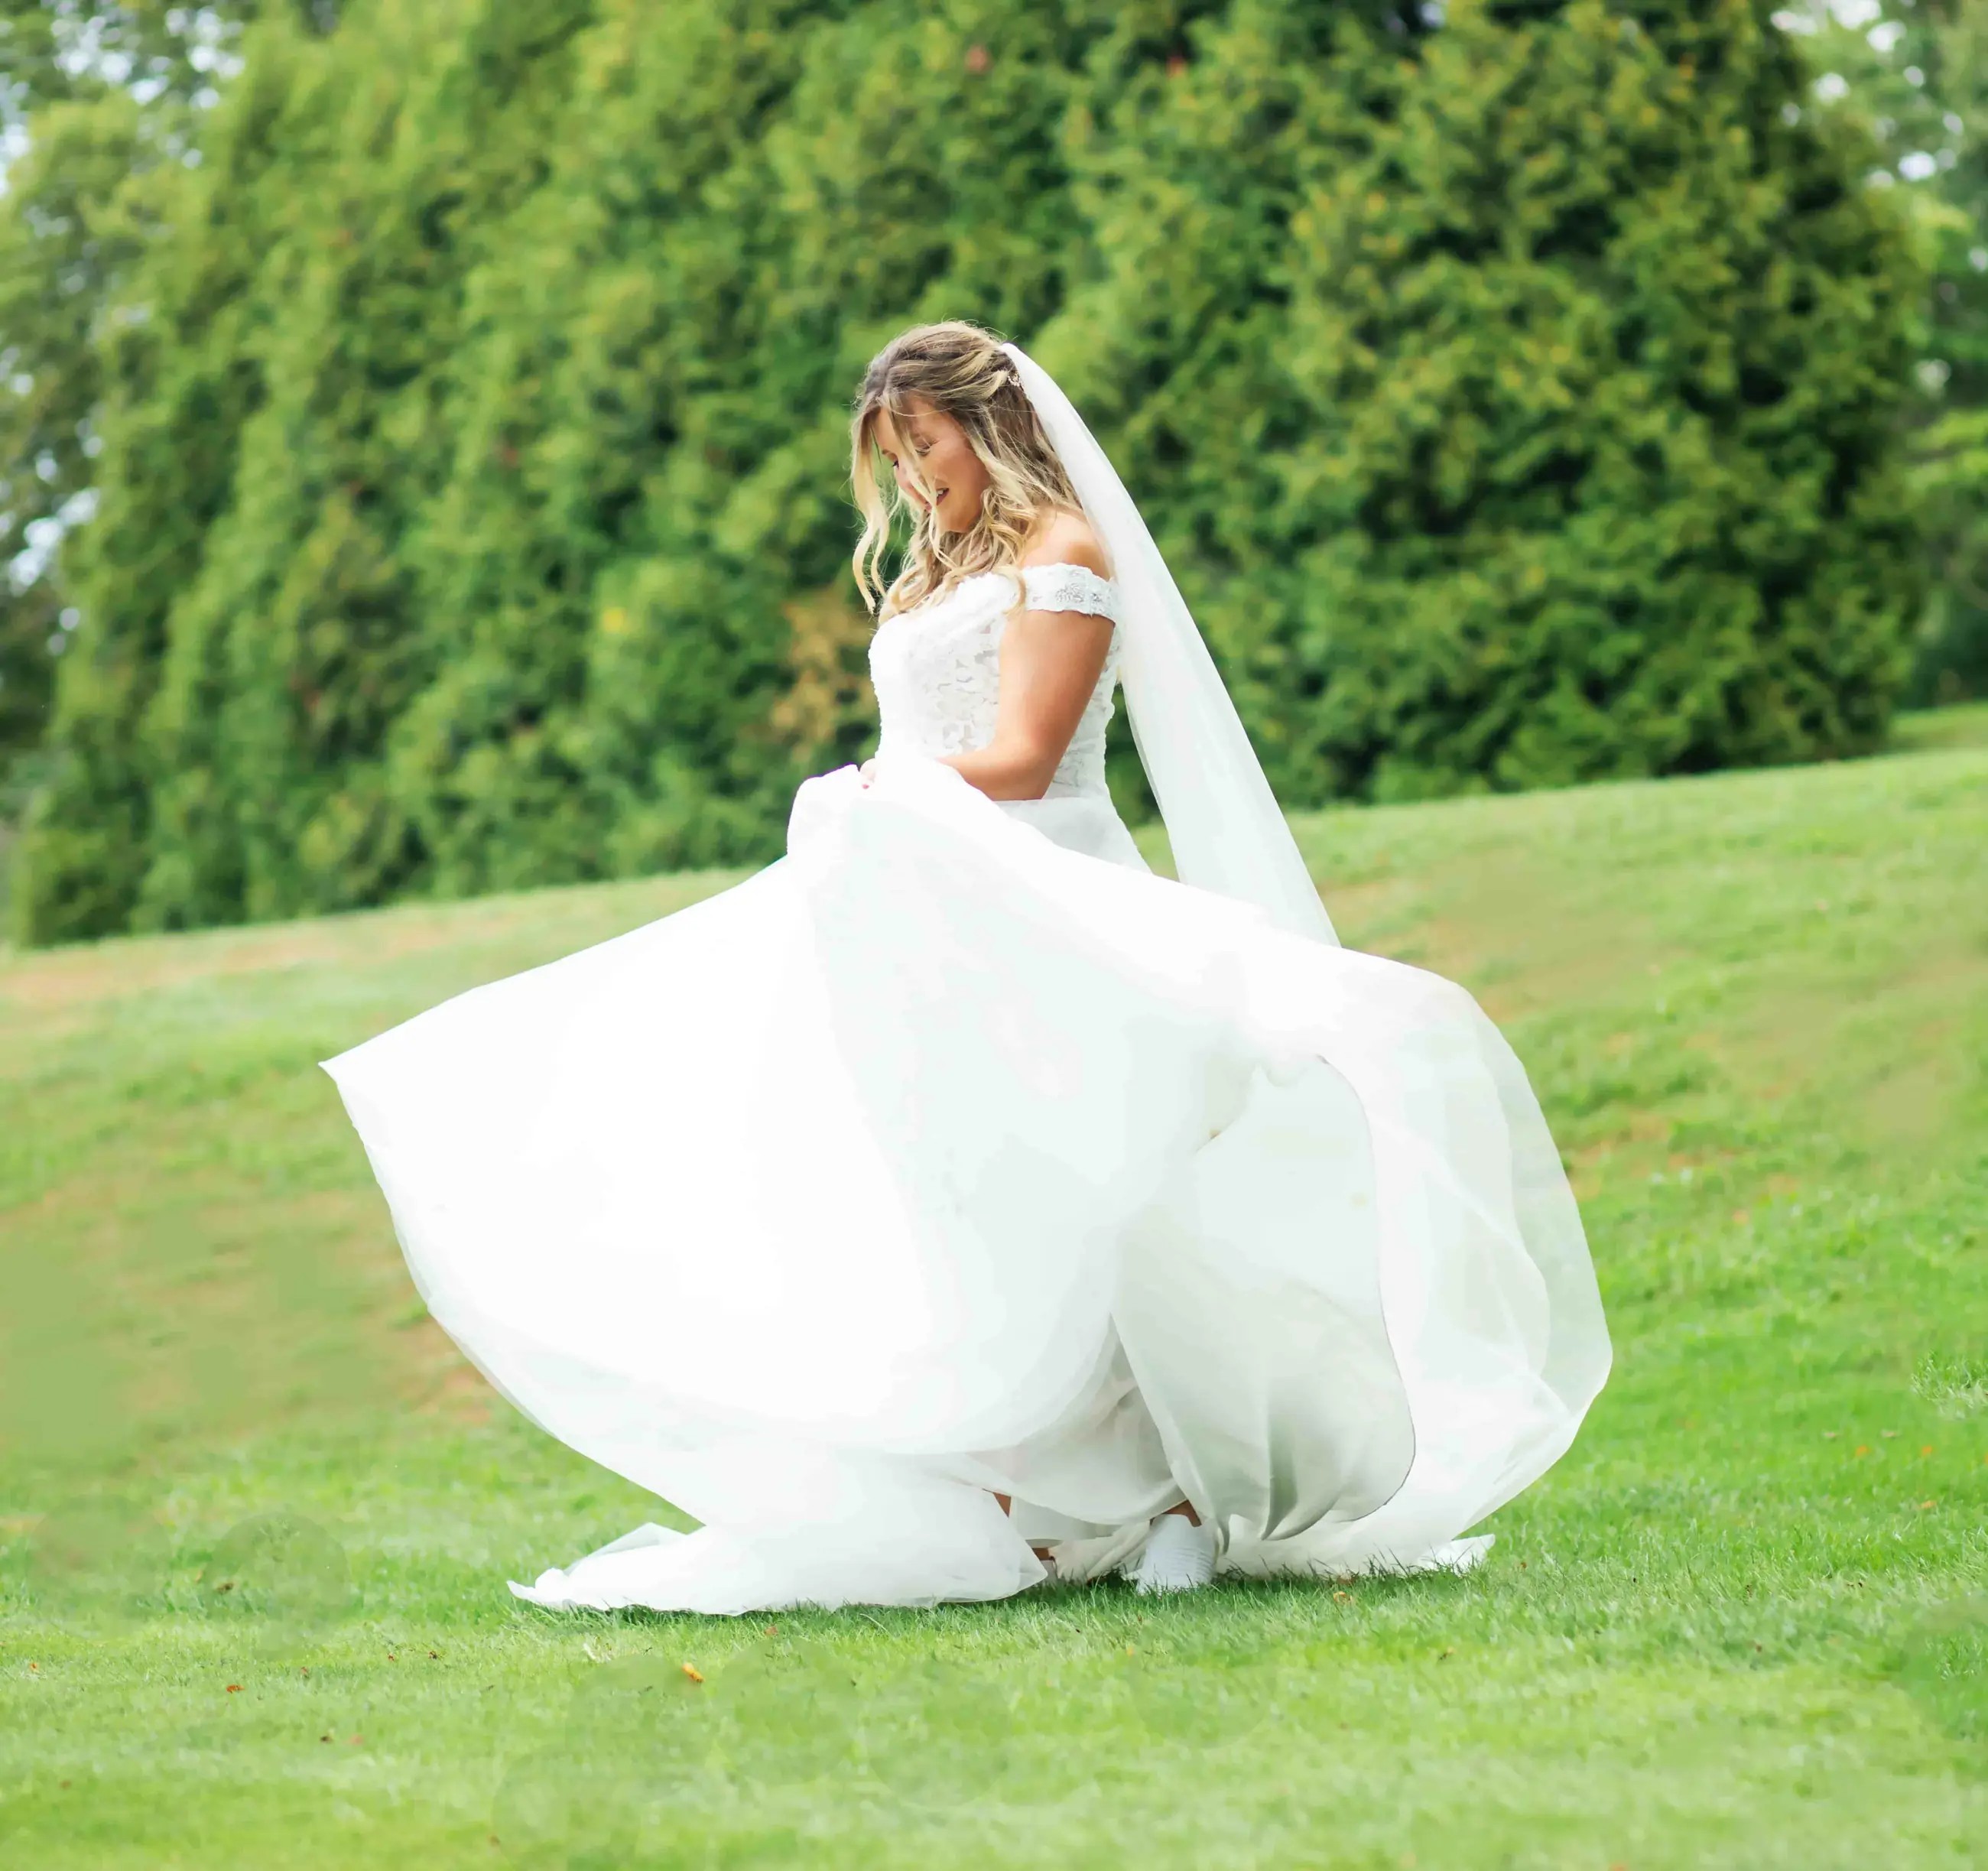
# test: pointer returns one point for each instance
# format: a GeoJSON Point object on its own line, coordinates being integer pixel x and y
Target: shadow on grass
{"type": "Point", "coordinates": [1104, 1608]}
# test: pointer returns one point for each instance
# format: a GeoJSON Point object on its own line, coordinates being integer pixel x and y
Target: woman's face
{"type": "Point", "coordinates": [944, 455]}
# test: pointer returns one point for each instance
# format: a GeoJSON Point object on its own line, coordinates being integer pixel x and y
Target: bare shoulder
{"type": "Point", "coordinates": [1066, 539]}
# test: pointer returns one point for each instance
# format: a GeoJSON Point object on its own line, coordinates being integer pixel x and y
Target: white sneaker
{"type": "Point", "coordinates": [1179, 1556]}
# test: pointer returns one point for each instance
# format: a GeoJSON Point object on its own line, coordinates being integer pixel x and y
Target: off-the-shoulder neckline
{"type": "Point", "coordinates": [1018, 572]}
{"type": "Point", "coordinates": [1064, 565]}
{"type": "Point", "coordinates": [1048, 565]}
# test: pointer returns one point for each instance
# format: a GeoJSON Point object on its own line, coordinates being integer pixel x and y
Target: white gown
{"type": "Point", "coordinates": [956, 1153]}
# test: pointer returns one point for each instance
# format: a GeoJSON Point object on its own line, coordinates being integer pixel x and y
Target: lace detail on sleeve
{"type": "Point", "coordinates": [1069, 587]}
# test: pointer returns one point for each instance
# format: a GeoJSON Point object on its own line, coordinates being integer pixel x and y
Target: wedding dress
{"type": "Point", "coordinates": [956, 1153]}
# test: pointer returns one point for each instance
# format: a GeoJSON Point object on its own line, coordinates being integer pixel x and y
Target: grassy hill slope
{"type": "Point", "coordinates": [1741, 1624]}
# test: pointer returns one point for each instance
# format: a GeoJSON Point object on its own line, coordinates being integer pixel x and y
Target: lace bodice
{"type": "Point", "coordinates": [936, 668]}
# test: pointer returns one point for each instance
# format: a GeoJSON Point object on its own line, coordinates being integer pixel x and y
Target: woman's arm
{"type": "Point", "coordinates": [1050, 662]}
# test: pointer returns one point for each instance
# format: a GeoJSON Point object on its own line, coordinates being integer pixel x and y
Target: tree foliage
{"type": "Point", "coordinates": [1916, 72]}
{"type": "Point", "coordinates": [1516, 397]}
{"type": "Point", "coordinates": [1527, 404]}
{"type": "Point", "coordinates": [99, 104]}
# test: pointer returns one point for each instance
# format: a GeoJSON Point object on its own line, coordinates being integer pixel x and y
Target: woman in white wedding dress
{"type": "Point", "coordinates": [956, 1201]}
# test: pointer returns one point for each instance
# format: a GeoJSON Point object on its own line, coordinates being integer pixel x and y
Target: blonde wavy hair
{"type": "Point", "coordinates": [962, 371]}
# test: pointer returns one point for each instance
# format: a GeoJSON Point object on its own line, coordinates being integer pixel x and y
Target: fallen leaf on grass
{"type": "Point", "coordinates": [695, 1674]}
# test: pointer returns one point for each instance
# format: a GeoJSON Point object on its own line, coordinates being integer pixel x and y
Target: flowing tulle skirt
{"type": "Point", "coordinates": [956, 1153]}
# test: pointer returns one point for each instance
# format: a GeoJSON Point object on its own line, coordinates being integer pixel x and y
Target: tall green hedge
{"type": "Point", "coordinates": [1514, 390]}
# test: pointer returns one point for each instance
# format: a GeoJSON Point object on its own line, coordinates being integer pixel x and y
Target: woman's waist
{"type": "Point", "coordinates": [1082, 821]}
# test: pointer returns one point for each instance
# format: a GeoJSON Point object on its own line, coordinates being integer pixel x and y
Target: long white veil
{"type": "Point", "coordinates": [1222, 818]}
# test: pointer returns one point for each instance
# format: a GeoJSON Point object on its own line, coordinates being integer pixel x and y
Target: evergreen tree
{"type": "Point", "coordinates": [1515, 391]}
{"type": "Point", "coordinates": [100, 106]}
{"type": "Point", "coordinates": [66, 228]}
{"type": "Point", "coordinates": [178, 378]}
{"type": "Point", "coordinates": [1950, 457]}
{"type": "Point", "coordinates": [1524, 393]}
{"type": "Point", "coordinates": [1916, 73]}
{"type": "Point", "coordinates": [306, 633]}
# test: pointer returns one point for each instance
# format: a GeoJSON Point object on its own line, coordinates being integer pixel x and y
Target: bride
{"type": "Point", "coordinates": [956, 1202]}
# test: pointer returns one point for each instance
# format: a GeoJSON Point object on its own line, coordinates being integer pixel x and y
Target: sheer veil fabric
{"type": "Point", "coordinates": [1223, 823]}
{"type": "Point", "coordinates": [955, 1152]}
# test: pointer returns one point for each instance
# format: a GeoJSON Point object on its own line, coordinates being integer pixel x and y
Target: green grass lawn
{"type": "Point", "coordinates": [1742, 1624]}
